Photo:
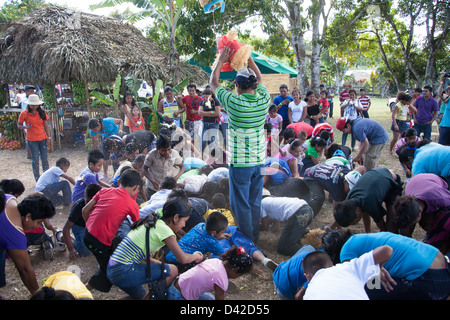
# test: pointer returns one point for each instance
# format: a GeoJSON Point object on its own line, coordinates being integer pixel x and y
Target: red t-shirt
{"type": "Point", "coordinates": [192, 103]}
{"type": "Point", "coordinates": [112, 206]}
{"type": "Point", "coordinates": [301, 126]}
{"type": "Point", "coordinates": [36, 132]}
{"type": "Point", "coordinates": [324, 105]}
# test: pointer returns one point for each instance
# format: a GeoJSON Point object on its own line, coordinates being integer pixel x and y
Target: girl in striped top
{"type": "Point", "coordinates": [125, 267]}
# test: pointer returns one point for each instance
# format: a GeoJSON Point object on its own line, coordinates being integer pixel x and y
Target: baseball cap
{"type": "Point", "coordinates": [352, 178]}
{"type": "Point", "coordinates": [246, 75]}
{"type": "Point", "coordinates": [340, 123]}
{"type": "Point", "coordinates": [339, 153]}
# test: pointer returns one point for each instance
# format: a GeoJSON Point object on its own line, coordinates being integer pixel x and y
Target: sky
{"type": "Point", "coordinates": [83, 5]}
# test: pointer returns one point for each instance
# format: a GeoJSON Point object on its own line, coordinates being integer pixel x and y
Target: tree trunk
{"type": "Point", "coordinates": [434, 43]}
{"type": "Point", "coordinates": [317, 8]}
{"type": "Point", "coordinates": [297, 41]}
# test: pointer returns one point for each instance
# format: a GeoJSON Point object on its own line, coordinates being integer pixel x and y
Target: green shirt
{"type": "Point", "coordinates": [246, 117]}
{"type": "Point", "coordinates": [132, 248]}
{"type": "Point", "coordinates": [311, 151]}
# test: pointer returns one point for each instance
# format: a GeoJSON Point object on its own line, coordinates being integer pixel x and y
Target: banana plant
{"type": "Point", "coordinates": [111, 99]}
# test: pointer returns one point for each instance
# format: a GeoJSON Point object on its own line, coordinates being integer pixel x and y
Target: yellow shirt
{"type": "Point", "coordinates": [68, 281]}
{"type": "Point", "coordinates": [402, 112]}
{"type": "Point", "coordinates": [227, 213]}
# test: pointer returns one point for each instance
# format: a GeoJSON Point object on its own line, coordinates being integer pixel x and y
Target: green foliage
{"type": "Point", "coordinates": [14, 10]}
{"type": "Point", "coordinates": [79, 92]}
{"type": "Point", "coordinates": [49, 97]}
{"type": "Point", "coordinates": [3, 100]}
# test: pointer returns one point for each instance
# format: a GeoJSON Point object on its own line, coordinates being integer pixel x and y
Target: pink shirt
{"type": "Point", "coordinates": [202, 278]}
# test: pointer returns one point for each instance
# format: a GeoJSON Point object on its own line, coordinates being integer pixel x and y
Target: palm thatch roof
{"type": "Point", "coordinates": [57, 45]}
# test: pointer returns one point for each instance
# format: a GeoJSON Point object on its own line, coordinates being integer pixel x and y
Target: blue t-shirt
{"type": "Point", "coordinates": [237, 239]}
{"type": "Point", "coordinates": [432, 158]}
{"type": "Point", "coordinates": [445, 122]}
{"type": "Point", "coordinates": [284, 108]}
{"type": "Point", "coordinates": [410, 258]}
{"type": "Point", "coordinates": [109, 128]}
{"type": "Point", "coordinates": [368, 128]}
{"type": "Point", "coordinates": [197, 239]}
{"type": "Point", "coordinates": [85, 178]}
{"type": "Point", "coordinates": [288, 276]}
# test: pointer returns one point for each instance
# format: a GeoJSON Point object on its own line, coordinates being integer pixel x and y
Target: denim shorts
{"type": "Point", "coordinates": [402, 125]}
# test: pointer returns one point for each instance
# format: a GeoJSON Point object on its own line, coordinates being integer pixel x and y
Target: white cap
{"type": "Point", "coordinates": [352, 178]}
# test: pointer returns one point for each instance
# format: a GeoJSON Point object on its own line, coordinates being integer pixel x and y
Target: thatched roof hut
{"type": "Point", "coordinates": [57, 45]}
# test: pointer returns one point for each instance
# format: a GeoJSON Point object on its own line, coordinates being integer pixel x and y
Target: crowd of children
{"type": "Point", "coordinates": [170, 193]}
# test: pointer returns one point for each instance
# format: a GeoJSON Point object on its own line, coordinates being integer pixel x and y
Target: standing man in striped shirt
{"type": "Point", "coordinates": [365, 102]}
{"type": "Point", "coordinates": [247, 111]}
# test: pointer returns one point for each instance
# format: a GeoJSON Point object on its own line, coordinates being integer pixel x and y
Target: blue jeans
{"type": "Point", "coordinates": [307, 163]}
{"type": "Point", "coordinates": [246, 184]}
{"type": "Point", "coordinates": [38, 149]}
{"type": "Point", "coordinates": [344, 140]}
{"type": "Point", "coordinates": [78, 233]}
{"type": "Point", "coordinates": [175, 294]}
{"type": "Point", "coordinates": [224, 129]}
{"type": "Point", "coordinates": [131, 277]}
{"type": "Point", "coordinates": [424, 128]}
{"type": "Point", "coordinates": [52, 192]}
{"type": "Point", "coordinates": [209, 137]}
{"type": "Point", "coordinates": [432, 285]}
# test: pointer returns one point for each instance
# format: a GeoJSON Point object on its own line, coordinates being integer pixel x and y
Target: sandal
{"type": "Point", "coordinates": [59, 244]}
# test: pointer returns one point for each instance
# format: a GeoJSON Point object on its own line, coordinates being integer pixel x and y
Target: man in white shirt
{"type": "Point", "coordinates": [344, 281]}
{"type": "Point", "coordinates": [294, 211]}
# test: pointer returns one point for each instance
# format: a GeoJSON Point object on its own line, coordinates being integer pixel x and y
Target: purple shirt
{"type": "Point", "coordinates": [431, 189]}
{"type": "Point", "coordinates": [426, 109]}
{"type": "Point", "coordinates": [10, 236]}
{"type": "Point", "coordinates": [85, 178]}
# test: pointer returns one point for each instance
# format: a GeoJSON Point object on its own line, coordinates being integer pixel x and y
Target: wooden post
{"type": "Point", "coordinates": [8, 97]}
{"type": "Point", "coordinates": [88, 98]}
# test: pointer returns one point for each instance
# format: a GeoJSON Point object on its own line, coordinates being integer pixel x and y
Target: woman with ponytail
{"type": "Point", "coordinates": [38, 133]}
{"type": "Point", "coordinates": [313, 152]}
{"type": "Point", "coordinates": [15, 218]}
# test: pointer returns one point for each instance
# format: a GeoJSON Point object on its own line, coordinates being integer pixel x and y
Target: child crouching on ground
{"type": "Point", "coordinates": [195, 284]}
{"type": "Point", "coordinates": [103, 215]}
{"type": "Point", "coordinates": [204, 237]}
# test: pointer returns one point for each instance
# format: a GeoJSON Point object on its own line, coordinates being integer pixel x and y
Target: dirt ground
{"type": "Point", "coordinates": [14, 164]}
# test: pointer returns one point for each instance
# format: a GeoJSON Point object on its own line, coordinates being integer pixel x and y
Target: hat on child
{"type": "Point", "coordinates": [352, 178]}
{"type": "Point", "coordinates": [339, 153]}
{"type": "Point", "coordinates": [340, 123]}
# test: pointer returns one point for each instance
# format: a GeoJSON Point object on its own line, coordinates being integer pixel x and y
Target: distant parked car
{"type": "Point", "coordinates": [391, 103]}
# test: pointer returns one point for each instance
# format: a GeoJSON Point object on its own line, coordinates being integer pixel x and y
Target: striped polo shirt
{"type": "Point", "coordinates": [364, 102]}
{"type": "Point", "coordinates": [246, 117]}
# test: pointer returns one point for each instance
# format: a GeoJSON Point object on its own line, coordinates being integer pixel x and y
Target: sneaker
{"type": "Point", "coordinates": [59, 244]}
{"type": "Point", "coordinates": [48, 251]}
{"type": "Point", "coordinates": [269, 263]}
